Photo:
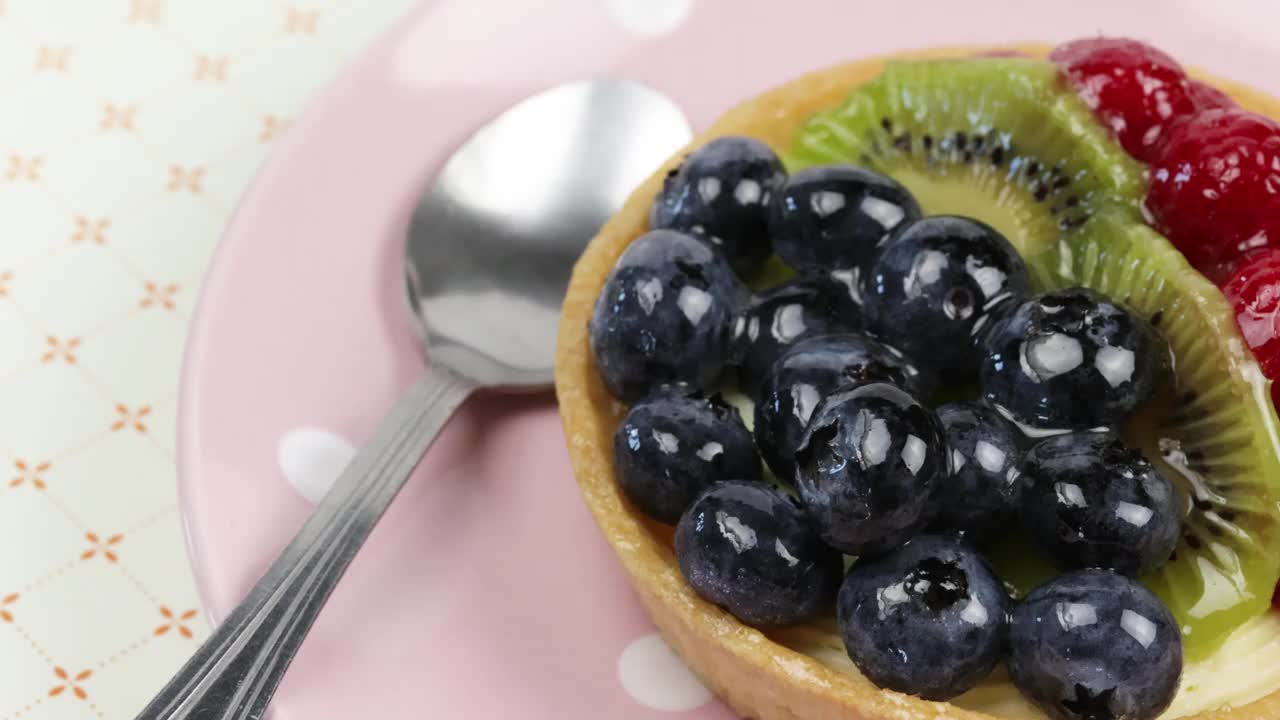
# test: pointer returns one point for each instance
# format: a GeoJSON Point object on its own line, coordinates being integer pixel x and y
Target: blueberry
{"type": "Point", "coordinates": [781, 315]}
{"type": "Point", "coordinates": [929, 619]}
{"type": "Point", "coordinates": [808, 371]}
{"type": "Point", "coordinates": [748, 548]}
{"type": "Point", "coordinates": [674, 444]}
{"type": "Point", "coordinates": [665, 314]}
{"type": "Point", "coordinates": [933, 283]}
{"type": "Point", "coordinates": [722, 192]}
{"type": "Point", "coordinates": [867, 466]}
{"type": "Point", "coordinates": [1093, 645]}
{"type": "Point", "coordinates": [980, 496]}
{"type": "Point", "coordinates": [833, 216]}
{"type": "Point", "coordinates": [1089, 501]}
{"type": "Point", "coordinates": [1071, 360]}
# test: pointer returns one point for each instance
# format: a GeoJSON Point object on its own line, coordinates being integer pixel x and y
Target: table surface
{"type": "Point", "coordinates": [129, 130]}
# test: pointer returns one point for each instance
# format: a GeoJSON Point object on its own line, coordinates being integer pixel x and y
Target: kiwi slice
{"type": "Point", "coordinates": [1212, 431]}
{"type": "Point", "coordinates": [997, 139]}
{"type": "Point", "coordinates": [1000, 140]}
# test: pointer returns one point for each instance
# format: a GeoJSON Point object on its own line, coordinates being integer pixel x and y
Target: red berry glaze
{"type": "Point", "coordinates": [1208, 97]}
{"type": "Point", "coordinates": [1215, 188]}
{"type": "Point", "coordinates": [1133, 88]}
{"type": "Point", "coordinates": [1254, 292]}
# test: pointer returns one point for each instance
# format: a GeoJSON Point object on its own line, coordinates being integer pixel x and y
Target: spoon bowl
{"type": "Point", "coordinates": [493, 241]}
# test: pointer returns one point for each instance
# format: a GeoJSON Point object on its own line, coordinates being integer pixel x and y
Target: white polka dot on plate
{"type": "Point", "coordinates": [654, 676]}
{"type": "Point", "coordinates": [649, 17]}
{"type": "Point", "coordinates": [311, 459]}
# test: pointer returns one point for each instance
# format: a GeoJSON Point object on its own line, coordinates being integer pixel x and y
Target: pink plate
{"type": "Point", "coordinates": [487, 592]}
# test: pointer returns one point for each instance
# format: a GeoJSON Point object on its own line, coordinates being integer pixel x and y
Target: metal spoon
{"type": "Point", "coordinates": [487, 262]}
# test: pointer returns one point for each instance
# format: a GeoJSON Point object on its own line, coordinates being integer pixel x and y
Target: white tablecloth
{"type": "Point", "coordinates": [128, 130]}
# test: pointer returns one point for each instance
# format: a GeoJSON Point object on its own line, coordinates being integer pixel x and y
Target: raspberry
{"type": "Point", "coordinates": [1133, 88]}
{"type": "Point", "coordinates": [1208, 97]}
{"type": "Point", "coordinates": [1254, 292]}
{"type": "Point", "coordinates": [1215, 188]}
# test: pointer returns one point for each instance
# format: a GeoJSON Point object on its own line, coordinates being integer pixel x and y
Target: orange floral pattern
{"type": "Point", "coordinates": [131, 418]}
{"type": "Point", "coordinates": [6, 613]}
{"type": "Point", "coordinates": [301, 21]}
{"type": "Point", "coordinates": [91, 229]}
{"type": "Point", "coordinates": [145, 11]}
{"type": "Point", "coordinates": [212, 69]}
{"type": "Point", "coordinates": [64, 350]}
{"type": "Point", "coordinates": [24, 167]}
{"type": "Point", "coordinates": [117, 116]}
{"type": "Point", "coordinates": [272, 126]}
{"type": "Point", "coordinates": [98, 545]}
{"type": "Point", "coordinates": [175, 622]}
{"type": "Point", "coordinates": [159, 295]}
{"type": "Point", "coordinates": [48, 58]}
{"type": "Point", "coordinates": [29, 473]}
{"type": "Point", "coordinates": [186, 179]}
{"type": "Point", "coordinates": [70, 682]}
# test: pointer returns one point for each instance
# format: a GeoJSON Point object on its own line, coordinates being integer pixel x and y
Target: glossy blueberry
{"type": "Point", "coordinates": [665, 314]}
{"type": "Point", "coordinates": [929, 619]}
{"type": "Point", "coordinates": [784, 314]}
{"type": "Point", "coordinates": [1093, 645]}
{"type": "Point", "coordinates": [808, 371]}
{"type": "Point", "coordinates": [833, 216]}
{"type": "Point", "coordinates": [980, 496]}
{"type": "Point", "coordinates": [933, 282]}
{"type": "Point", "coordinates": [748, 548]}
{"type": "Point", "coordinates": [1089, 501]}
{"type": "Point", "coordinates": [1071, 360]}
{"type": "Point", "coordinates": [721, 192]}
{"type": "Point", "coordinates": [674, 444]}
{"type": "Point", "coordinates": [867, 466]}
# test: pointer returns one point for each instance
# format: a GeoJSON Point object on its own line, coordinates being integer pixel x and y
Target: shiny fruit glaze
{"type": "Point", "coordinates": [1254, 291]}
{"type": "Point", "coordinates": [1215, 187]}
{"type": "Point", "coordinates": [1133, 88]}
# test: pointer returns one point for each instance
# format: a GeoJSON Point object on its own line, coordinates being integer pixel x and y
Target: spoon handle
{"type": "Point", "coordinates": [233, 675]}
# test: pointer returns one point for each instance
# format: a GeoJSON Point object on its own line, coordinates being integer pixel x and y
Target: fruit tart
{"type": "Point", "coordinates": [938, 386]}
